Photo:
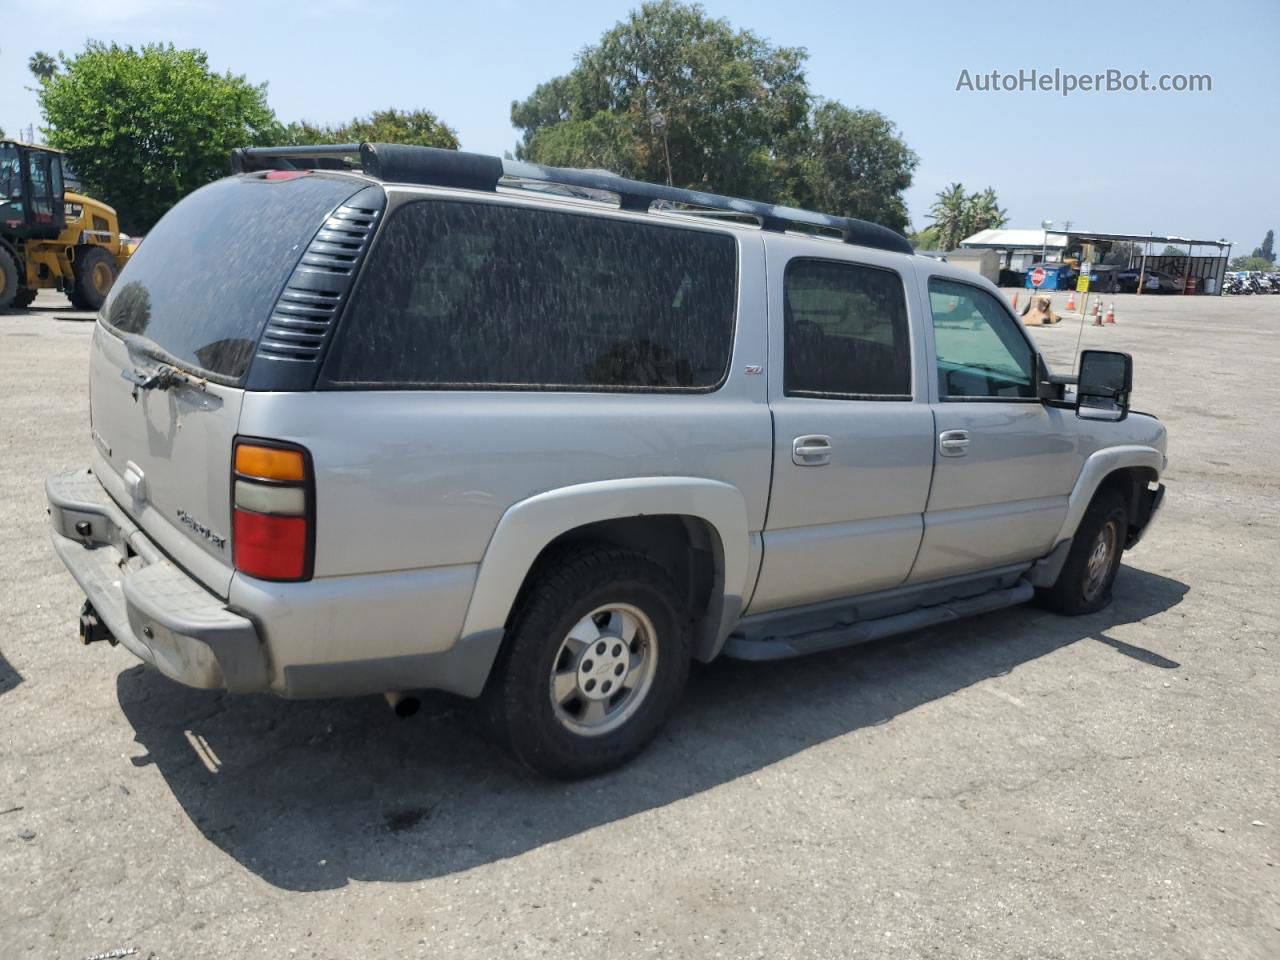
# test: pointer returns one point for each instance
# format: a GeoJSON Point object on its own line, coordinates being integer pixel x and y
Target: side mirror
{"type": "Point", "coordinates": [1105, 379]}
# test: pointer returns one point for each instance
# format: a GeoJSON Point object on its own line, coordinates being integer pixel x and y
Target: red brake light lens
{"type": "Point", "coordinates": [273, 516]}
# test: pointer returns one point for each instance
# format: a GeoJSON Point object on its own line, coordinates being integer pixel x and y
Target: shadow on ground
{"type": "Point", "coordinates": [311, 794]}
{"type": "Point", "coordinates": [9, 677]}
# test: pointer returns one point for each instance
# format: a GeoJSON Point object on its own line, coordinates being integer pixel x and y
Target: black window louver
{"type": "Point", "coordinates": [300, 322]}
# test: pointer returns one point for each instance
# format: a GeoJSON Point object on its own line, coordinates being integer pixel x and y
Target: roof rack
{"type": "Point", "coordinates": [402, 163]}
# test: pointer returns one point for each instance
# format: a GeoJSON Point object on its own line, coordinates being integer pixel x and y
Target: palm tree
{"type": "Point", "coordinates": [949, 214]}
{"type": "Point", "coordinates": [984, 212]}
{"type": "Point", "coordinates": [42, 66]}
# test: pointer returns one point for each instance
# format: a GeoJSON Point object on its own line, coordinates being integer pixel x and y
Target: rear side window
{"type": "Point", "coordinates": [204, 280]}
{"type": "Point", "coordinates": [847, 335]}
{"type": "Point", "coordinates": [476, 295]}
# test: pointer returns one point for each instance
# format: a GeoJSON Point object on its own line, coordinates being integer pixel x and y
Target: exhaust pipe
{"type": "Point", "coordinates": [402, 704]}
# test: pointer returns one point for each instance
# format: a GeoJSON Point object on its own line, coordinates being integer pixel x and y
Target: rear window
{"type": "Point", "coordinates": [480, 295]}
{"type": "Point", "coordinates": [204, 280]}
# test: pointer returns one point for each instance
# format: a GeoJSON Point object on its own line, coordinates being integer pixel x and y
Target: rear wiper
{"type": "Point", "coordinates": [162, 377]}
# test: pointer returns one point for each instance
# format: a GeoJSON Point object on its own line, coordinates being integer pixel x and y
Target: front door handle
{"type": "Point", "coordinates": [811, 451]}
{"type": "Point", "coordinates": [953, 443]}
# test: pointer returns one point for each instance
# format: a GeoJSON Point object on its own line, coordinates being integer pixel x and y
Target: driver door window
{"type": "Point", "coordinates": [981, 352]}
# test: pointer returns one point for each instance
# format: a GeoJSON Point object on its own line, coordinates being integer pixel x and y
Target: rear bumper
{"type": "Point", "coordinates": [327, 637]}
{"type": "Point", "coordinates": [148, 603]}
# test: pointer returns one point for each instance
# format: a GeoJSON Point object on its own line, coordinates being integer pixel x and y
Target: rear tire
{"type": "Point", "coordinates": [594, 661]}
{"type": "Point", "coordinates": [24, 298]}
{"type": "Point", "coordinates": [8, 279]}
{"type": "Point", "coordinates": [95, 272]}
{"type": "Point", "coordinates": [1084, 584]}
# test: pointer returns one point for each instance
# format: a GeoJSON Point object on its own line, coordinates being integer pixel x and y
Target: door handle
{"type": "Point", "coordinates": [953, 443]}
{"type": "Point", "coordinates": [811, 451]}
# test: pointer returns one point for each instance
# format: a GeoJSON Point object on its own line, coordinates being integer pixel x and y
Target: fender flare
{"type": "Point", "coordinates": [1097, 468]}
{"type": "Point", "coordinates": [527, 527]}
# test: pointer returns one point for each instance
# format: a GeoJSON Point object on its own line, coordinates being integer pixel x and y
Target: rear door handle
{"type": "Point", "coordinates": [953, 443]}
{"type": "Point", "coordinates": [811, 451]}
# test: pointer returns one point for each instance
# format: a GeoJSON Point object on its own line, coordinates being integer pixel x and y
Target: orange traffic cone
{"type": "Point", "coordinates": [1111, 314]}
{"type": "Point", "coordinates": [1015, 300]}
{"type": "Point", "coordinates": [1071, 301]}
{"type": "Point", "coordinates": [1097, 314]}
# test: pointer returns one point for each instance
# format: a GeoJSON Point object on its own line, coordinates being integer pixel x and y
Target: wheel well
{"type": "Point", "coordinates": [1130, 483]}
{"type": "Point", "coordinates": [687, 548]}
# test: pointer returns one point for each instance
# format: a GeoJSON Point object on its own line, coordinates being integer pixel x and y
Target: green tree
{"type": "Point", "coordinates": [144, 127]}
{"type": "Point", "coordinates": [1171, 251]}
{"type": "Point", "coordinates": [853, 163]}
{"type": "Point", "coordinates": [689, 101]}
{"type": "Point", "coordinates": [950, 216]}
{"type": "Point", "coordinates": [674, 96]}
{"type": "Point", "coordinates": [419, 127]}
{"type": "Point", "coordinates": [1268, 250]}
{"type": "Point", "coordinates": [926, 239]}
{"type": "Point", "coordinates": [1252, 263]}
{"type": "Point", "coordinates": [1120, 254]}
{"type": "Point", "coordinates": [983, 212]}
{"type": "Point", "coordinates": [42, 66]}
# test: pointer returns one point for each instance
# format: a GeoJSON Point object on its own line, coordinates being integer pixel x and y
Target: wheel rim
{"type": "Point", "coordinates": [1100, 557]}
{"type": "Point", "coordinates": [101, 277]}
{"type": "Point", "coordinates": [604, 669]}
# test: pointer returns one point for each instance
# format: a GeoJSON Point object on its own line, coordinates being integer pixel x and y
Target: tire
{"type": "Point", "coordinates": [8, 279]}
{"type": "Point", "coordinates": [24, 298]}
{"type": "Point", "coordinates": [559, 698]}
{"type": "Point", "coordinates": [1084, 584]}
{"type": "Point", "coordinates": [95, 272]}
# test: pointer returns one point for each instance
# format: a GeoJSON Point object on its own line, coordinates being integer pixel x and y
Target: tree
{"type": "Point", "coordinates": [926, 239]}
{"type": "Point", "coordinates": [949, 214]}
{"type": "Point", "coordinates": [418, 127]}
{"type": "Point", "coordinates": [984, 212]}
{"type": "Point", "coordinates": [1252, 263]}
{"type": "Point", "coordinates": [1267, 251]}
{"type": "Point", "coordinates": [689, 101]}
{"type": "Point", "coordinates": [1171, 251]}
{"type": "Point", "coordinates": [1121, 254]}
{"type": "Point", "coordinates": [144, 127]}
{"type": "Point", "coordinates": [957, 215]}
{"type": "Point", "coordinates": [674, 96]}
{"type": "Point", "coordinates": [854, 163]}
{"type": "Point", "coordinates": [42, 66]}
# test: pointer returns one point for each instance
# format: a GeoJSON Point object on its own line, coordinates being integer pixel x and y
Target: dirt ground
{"type": "Point", "coordinates": [1015, 786]}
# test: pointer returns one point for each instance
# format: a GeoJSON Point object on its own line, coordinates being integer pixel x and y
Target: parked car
{"type": "Point", "coordinates": [1155, 281]}
{"type": "Point", "coordinates": [361, 431]}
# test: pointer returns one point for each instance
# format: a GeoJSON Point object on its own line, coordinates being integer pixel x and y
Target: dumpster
{"type": "Point", "coordinates": [1048, 276]}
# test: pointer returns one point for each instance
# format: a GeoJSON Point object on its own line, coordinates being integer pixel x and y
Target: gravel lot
{"type": "Point", "coordinates": [1019, 785]}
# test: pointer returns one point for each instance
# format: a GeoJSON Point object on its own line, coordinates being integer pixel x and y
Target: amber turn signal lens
{"type": "Point", "coordinates": [269, 463]}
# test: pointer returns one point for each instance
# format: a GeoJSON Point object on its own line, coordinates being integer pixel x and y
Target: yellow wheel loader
{"type": "Point", "coordinates": [51, 238]}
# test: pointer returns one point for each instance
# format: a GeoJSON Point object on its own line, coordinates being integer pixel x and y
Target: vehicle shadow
{"type": "Point", "coordinates": [9, 677]}
{"type": "Point", "coordinates": [309, 795]}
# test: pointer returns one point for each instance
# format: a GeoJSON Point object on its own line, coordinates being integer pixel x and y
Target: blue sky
{"type": "Point", "coordinates": [1199, 164]}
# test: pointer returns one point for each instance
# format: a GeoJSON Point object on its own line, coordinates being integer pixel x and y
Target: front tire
{"type": "Point", "coordinates": [8, 279]}
{"type": "Point", "coordinates": [1084, 584]}
{"type": "Point", "coordinates": [95, 272]}
{"type": "Point", "coordinates": [594, 661]}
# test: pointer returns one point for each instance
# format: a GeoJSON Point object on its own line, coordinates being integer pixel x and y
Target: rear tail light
{"type": "Point", "coordinates": [273, 495]}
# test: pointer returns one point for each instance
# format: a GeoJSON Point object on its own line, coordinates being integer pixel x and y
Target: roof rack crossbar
{"type": "Point", "coordinates": [401, 163]}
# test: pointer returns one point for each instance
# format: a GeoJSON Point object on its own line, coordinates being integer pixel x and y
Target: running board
{"type": "Point", "coordinates": [848, 635]}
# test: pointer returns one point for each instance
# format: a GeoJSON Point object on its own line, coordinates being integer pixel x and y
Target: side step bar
{"type": "Point", "coordinates": [780, 648]}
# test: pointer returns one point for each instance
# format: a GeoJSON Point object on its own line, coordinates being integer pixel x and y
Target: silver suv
{"type": "Point", "coordinates": [379, 419]}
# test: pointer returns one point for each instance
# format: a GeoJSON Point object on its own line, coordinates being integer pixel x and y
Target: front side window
{"type": "Point", "coordinates": [10, 185]}
{"type": "Point", "coordinates": [981, 351]}
{"type": "Point", "coordinates": [464, 295]}
{"type": "Point", "coordinates": [846, 332]}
